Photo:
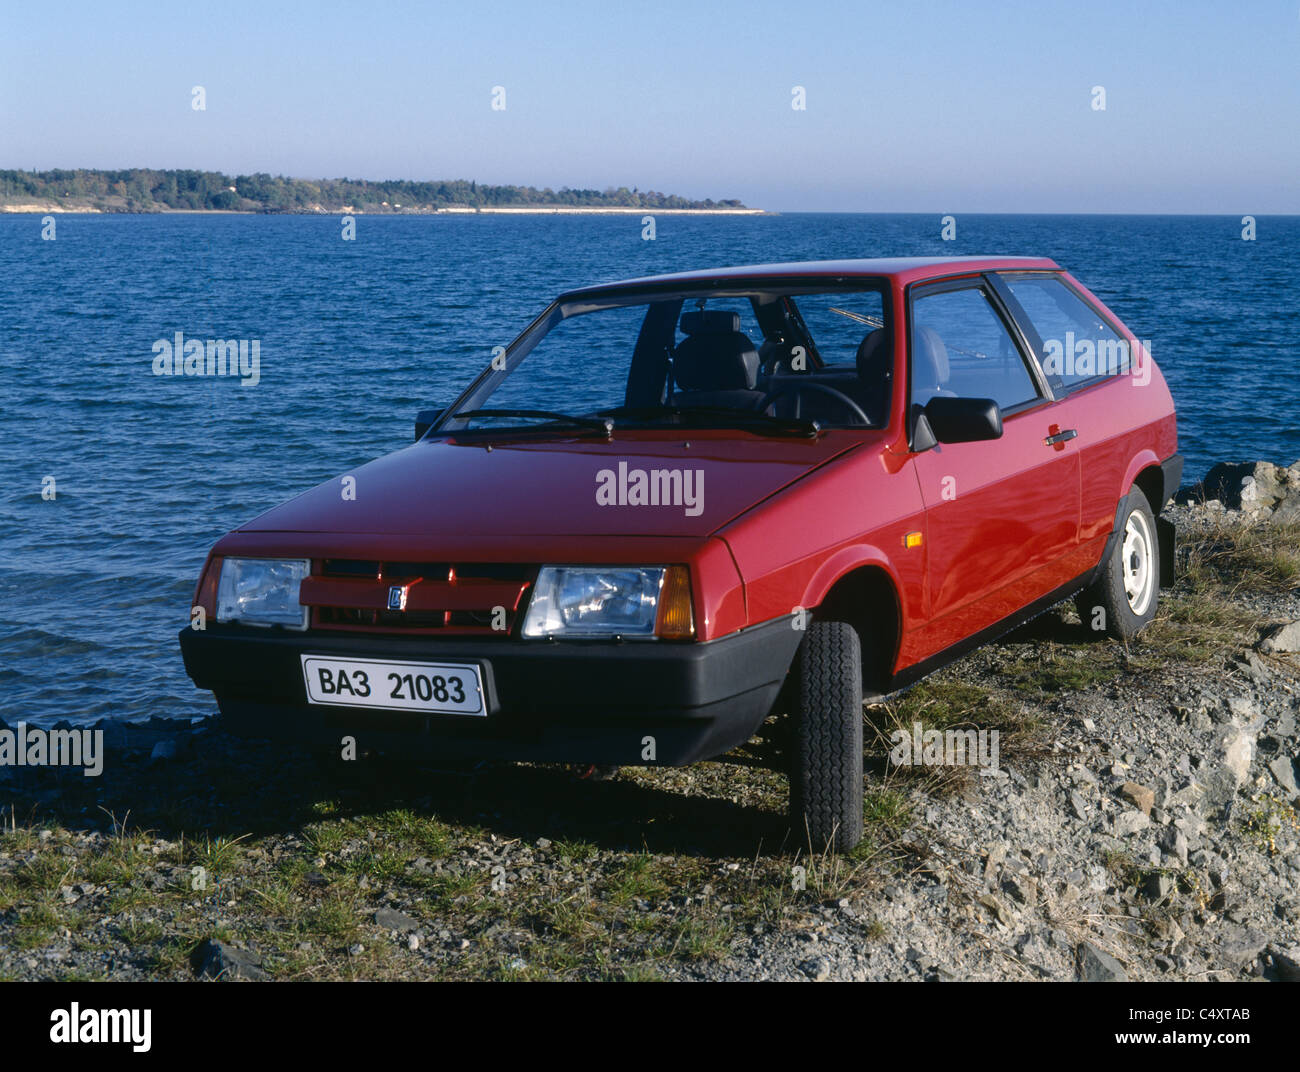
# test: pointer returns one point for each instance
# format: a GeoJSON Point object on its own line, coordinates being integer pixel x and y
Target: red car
{"type": "Point", "coordinates": [676, 505]}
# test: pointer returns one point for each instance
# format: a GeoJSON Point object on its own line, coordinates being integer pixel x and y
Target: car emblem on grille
{"type": "Point", "coordinates": [397, 596]}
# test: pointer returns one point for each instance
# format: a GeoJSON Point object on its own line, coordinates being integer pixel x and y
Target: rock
{"type": "Point", "coordinates": [997, 852]}
{"type": "Point", "coordinates": [1129, 823]}
{"type": "Point", "coordinates": [1158, 886]}
{"type": "Point", "coordinates": [1254, 668]}
{"type": "Point", "coordinates": [1217, 788]}
{"type": "Point", "coordinates": [1238, 751]}
{"type": "Point", "coordinates": [1283, 639]}
{"type": "Point", "coordinates": [220, 960]}
{"type": "Point", "coordinates": [1254, 487]}
{"type": "Point", "coordinates": [356, 950]}
{"type": "Point", "coordinates": [413, 942]}
{"type": "Point", "coordinates": [392, 920]}
{"type": "Point", "coordinates": [1096, 966]}
{"type": "Point", "coordinates": [163, 750]}
{"type": "Point", "coordinates": [1023, 888]}
{"type": "Point", "coordinates": [1287, 963]}
{"type": "Point", "coordinates": [1240, 710]}
{"type": "Point", "coordinates": [1174, 842]}
{"type": "Point", "coordinates": [1284, 771]}
{"type": "Point", "coordinates": [1139, 796]}
{"type": "Point", "coordinates": [996, 907]}
{"type": "Point", "coordinates": [1078, 806]}
{"type": "Point", "coordinates": [1241, 946]}
{"type": "Point", "coordinates": [818, 970]}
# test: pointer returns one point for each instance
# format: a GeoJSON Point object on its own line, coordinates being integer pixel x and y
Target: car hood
{"type": "Point", "coordinates": [450, 490]}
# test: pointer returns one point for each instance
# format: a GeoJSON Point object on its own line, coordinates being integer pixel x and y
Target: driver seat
{"type": "Point", "coordinates": [716, 364]}
{"type": "Point", "coordinates": [873, 390]}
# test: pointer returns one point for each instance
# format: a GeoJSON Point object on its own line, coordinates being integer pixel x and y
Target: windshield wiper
{"type": "Point", "coordinates": [793, 425]}
{"type": "Point", "coordinates": [598, 424]}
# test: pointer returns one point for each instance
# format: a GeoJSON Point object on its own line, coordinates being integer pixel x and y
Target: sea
{"type": "Point", "coordinates": [114, 481]}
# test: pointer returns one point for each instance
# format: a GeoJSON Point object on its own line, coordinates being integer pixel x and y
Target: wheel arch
{"type": "Point", "coordinates": [860, 588]}
{"type": "Point", "coordinates": [1145, 474]}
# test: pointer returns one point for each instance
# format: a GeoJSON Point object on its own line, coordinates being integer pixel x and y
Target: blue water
{"type": "Point", "coordinates": [357, 336]}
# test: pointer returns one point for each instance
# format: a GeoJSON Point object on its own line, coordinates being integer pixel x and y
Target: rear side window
{"type": "Point", "coordinates": [960, 347]}
{"type": "Point", "coordinates": [1078, 345]}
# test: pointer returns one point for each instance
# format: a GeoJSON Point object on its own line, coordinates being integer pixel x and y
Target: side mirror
{"type": "Point", "coordinates": [424, 420]}
{"type": "Point", "coordinates": [963, 420]}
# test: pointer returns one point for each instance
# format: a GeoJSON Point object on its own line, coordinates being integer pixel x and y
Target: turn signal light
{"type": "Point", "coordinates": [676, 617]}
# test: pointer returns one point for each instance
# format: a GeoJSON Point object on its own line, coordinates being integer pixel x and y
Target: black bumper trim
{"type": "Point", "coordinates": [561, 701]}
{"type": "Point", "coordinates": [1172, 468]}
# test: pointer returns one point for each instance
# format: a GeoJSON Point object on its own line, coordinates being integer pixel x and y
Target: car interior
{"type": "Point", "coordinates": [712, 362]}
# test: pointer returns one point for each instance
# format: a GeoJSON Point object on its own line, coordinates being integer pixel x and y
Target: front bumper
{"type": "Point", "coordinates": [549, 701]}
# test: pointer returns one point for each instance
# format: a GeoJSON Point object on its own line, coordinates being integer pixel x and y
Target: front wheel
{"type": "Point", "coordinates": [826, 768]}
{"type": "Point", "coordinates": [1123, 598]}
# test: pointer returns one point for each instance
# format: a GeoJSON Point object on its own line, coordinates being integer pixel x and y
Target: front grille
{"type": "Point", "coordinates": [448, 598]}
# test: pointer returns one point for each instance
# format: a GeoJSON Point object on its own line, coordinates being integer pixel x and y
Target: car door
{"type": "Point", "coordinates": [1002, 515]}
{"type": "Point", "coordinates": [1087, 362]}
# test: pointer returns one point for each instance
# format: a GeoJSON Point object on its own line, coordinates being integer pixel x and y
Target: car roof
{"type": "Point", "coordinates": [903, 269]}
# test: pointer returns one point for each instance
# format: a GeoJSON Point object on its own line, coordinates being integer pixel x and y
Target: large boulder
{"type": "Point", "coordinates": [1258, 488]}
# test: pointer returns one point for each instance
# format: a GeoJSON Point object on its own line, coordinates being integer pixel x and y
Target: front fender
{"type": "Point", "coordinates": [843, 562]}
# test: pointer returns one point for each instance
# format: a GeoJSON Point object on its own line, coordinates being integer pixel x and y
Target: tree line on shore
{"type": "Point", "coordinates": [147, 190]}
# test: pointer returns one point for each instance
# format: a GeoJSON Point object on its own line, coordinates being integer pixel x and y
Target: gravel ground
{"type": "Point", "coordinates": [1140, 825]}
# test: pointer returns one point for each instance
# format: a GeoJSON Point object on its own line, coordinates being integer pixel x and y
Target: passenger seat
{"type": "Point", "coordinates": [930, 369]}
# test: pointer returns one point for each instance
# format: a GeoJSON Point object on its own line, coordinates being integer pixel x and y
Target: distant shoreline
{"type": "Point", "coordinates": [33, 208]}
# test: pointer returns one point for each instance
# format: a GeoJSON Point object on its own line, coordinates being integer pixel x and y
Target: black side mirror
{"type": "Point", "coordinates": [424, 420]}
{"type": "Point", "coordinates": [963, 420]}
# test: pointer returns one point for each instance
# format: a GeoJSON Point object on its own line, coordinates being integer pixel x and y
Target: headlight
{"type": "Point", "coordinates": [603, 601]}
{"type": "Point", "coordinates": [262, 591]}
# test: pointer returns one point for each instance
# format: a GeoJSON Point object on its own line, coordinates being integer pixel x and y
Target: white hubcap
{"type": "Point", "coordinates": [1136, 563]}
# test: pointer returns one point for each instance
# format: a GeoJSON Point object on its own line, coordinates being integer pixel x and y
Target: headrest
{"type": "Point", "coordinates": [716, 362]}
{"type": "Point", "coordinates": [710, 322]}
{"type": "Point", "coordinates": [875, 356]}
{"type": "Point", "coordinates": [929, 358]}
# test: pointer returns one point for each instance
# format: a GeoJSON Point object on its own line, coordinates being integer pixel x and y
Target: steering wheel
{"type": "Point", "coordinates": [798, 387]}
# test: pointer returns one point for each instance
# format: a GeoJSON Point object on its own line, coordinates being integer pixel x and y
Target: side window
{"type": "Point", "coordinates": [960, 347]}
{"type": "Point", "coordinates": [1078, 345]}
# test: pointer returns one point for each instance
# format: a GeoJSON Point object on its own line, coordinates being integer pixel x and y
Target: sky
{"type": "Point", "coordinates": [910, 106]}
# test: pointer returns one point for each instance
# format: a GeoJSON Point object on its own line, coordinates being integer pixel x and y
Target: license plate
{"type": "Point", "coordinates": [432, 688]}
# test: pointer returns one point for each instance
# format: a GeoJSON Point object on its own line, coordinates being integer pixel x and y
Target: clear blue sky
{"type": "Point", "coordinates": [911, 106]}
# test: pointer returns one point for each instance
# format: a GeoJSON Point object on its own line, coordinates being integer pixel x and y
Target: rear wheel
{"type": "Point", "coordinates": [1123, 598]}
{"type": "Point", "coordinates": [826, 767]}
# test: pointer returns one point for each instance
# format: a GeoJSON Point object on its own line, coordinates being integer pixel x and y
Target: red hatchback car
{"type": "Point", "coordinates": [676, 505]}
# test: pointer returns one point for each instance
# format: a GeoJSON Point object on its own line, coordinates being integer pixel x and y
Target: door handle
{"type": "Point", "coordinates": [1057, 438]}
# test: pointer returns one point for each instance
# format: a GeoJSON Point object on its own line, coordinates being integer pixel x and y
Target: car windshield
{"type": "Point", "coordinates": [788, 360]}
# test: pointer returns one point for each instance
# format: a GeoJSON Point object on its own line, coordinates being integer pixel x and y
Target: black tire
{"type": "Point", "coordinates": [826, 765]}
{"type": "Point", "coordinates": [1122, 600]}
